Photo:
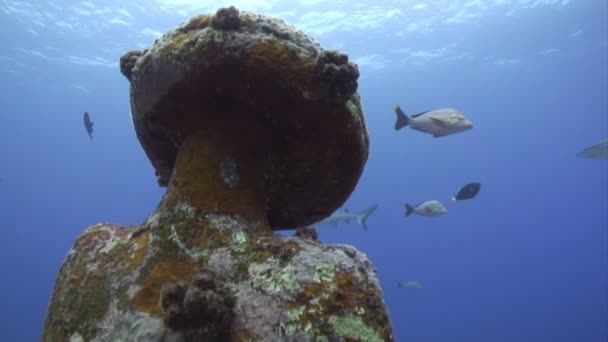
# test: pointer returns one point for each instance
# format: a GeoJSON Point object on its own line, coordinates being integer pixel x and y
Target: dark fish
{"type": "Point", "coordinates": [467, 192]}
{"type": "Point", "coordinates": [88, 124]}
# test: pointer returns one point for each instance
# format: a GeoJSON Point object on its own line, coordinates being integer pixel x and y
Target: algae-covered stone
{"type": "Point", "coordinates": [304, 296]}
{"type": "Point", "coordinates": [354, 328]}
{"type": "Point", "coordinates": [252, 127]}
{"type": "Point", "coordinates": [296, 102]}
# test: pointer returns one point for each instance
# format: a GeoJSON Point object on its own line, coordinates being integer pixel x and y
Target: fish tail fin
{"type": "Point", "coordinates": [402, 119]}
{"type": "Point", "coordinates": [399, 285]}
{"type": "Point", "coordinates": [409, 209]}
{"type": "Point", "coordinates": [362, 216]}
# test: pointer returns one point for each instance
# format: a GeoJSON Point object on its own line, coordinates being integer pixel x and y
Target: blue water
{"type": "Point", "coordinates": [524, 261]}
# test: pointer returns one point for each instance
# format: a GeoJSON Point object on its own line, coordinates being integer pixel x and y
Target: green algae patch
{"type": "Point", "coordinates": [239, 240]}
{"type": "Point", "coordinates": [269, 277]}
{"type": "Point", "coordinates": [324, 272]}
{"type": "Point", "coordinates": [354, 328]}
{"type": "Point", "coordinates": [83, 283]}
{"type": "Point", "coordinates": [93, 303]}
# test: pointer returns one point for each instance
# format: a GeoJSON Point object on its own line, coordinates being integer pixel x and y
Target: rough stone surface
{"type": "Point", "coordinates": [127, 63]}
{"type": "Point", "coordinates": [307, 233]}
{"type": "Point", "coordinates": [119, 283]}
{"type": "Point", "coordinates": [235, 64]}
{"type": "Point", "coordinates": [206, 264]}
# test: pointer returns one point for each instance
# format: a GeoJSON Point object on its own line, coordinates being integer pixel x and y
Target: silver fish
{"type": "Point", "coordinates": [595, 151]}
{"type": "Point", "coordinates": [438, 122]}
{"type": "Point", "coordinates": [346, 217]}
{"type": "Point", "coordinates": [428, 208]}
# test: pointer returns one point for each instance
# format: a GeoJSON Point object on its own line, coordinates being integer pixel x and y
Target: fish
{"type": "Point", "coordinates": [347, 217]}
{"type": "Point", "coordinates": [88, 124]}
{"type": "Point", "coordinates": [438, 122]}
{"type": "Point", "coordinates": [467, 192]}
{"type": "Point", "coordinates": [411, 284]}
{"type": "Point", "coordinates": [596, 151]}
{"type": "Point", "coordinates": [428, 208]}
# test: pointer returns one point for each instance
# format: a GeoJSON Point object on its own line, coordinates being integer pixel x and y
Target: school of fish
{"type": "Point", "coordinates": [438, 123]}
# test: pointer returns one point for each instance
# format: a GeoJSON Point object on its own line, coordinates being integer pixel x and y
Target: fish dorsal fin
{"type": "Point", "coordinates": [419, 114]}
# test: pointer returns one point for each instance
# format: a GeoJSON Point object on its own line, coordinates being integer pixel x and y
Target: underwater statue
{"type": "Point", "coordinates": [253, 128]}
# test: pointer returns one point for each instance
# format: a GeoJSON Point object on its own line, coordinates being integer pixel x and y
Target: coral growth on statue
{"type": "Point", "coordinates": [253, 128]}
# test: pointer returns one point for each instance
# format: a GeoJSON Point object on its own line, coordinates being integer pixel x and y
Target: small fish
{"type": "Point", "coordinates": [411, 284]}
{"type": "Point", "coordinates": [428, 208]}
{"type": "Point", "coordinates": [438, 122]}
{"type": "Point", "coordinates": [467, 192]}
{"type": "Point", "coordinates": [595, 151]}
{"type": "Point", "coordinates": [346, 217]}
{"type": "Point", "coordinates": [88, 124]}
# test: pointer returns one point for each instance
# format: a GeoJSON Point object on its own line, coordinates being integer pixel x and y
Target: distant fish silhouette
{"type": "Point", "coordinates": [88, 124]}
{"type": "Point", "coordinates": [411, 285]}
{"type": "Point", "coordinates": [595, 151]}
{"type": "Point", "coordinates": [346, 217]}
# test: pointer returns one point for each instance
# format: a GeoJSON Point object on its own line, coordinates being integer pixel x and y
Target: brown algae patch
{"type": "Point", "coordinates": [138, 250]}
{"type": "Point", "coordinates": [147, 298]}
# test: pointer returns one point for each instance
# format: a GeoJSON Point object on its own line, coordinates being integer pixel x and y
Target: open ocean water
{"type": "Point", "coordinates": [524, 261]}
